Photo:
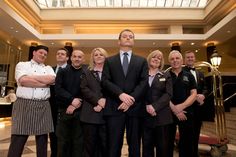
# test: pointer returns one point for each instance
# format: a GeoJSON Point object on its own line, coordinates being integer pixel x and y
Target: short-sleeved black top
{"type": "Point", "coordinates": [182, 85]}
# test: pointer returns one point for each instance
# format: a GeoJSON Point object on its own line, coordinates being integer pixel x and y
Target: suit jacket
{"type": "Point", "coordinates": [201, 89]}
{"type": "Point", "coordinates": [52, 98]}
{"type": "Point", "coordinates": [91, 92]}
{"type": "Point", "coordinates": [115, 82]}
{"type": "Point", "coordinates": [159, 95]}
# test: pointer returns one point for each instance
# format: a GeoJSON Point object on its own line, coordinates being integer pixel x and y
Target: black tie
{"type": "Point", "coordinates": [125, 63]}
{"type": "Point", "coordinates": [57, 69]}
{"type": "Point", "coordinates": [96, 74]}
{"type": "Point", "coordinates": [190, 68]}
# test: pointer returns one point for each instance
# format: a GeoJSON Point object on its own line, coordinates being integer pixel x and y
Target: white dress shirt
{"type": "Point", "coordinates": [122, 56]}
{"type": "Point", "coordinates": [62, 66]}
{"type": "Point", "coordinates": [194, 74]}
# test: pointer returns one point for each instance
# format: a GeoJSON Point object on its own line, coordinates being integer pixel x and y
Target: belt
{"type": "Point", "coordinates": [34, 99]}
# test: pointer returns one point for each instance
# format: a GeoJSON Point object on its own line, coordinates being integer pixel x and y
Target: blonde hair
{"type": "Point", "coordinates": [175, 51]}
{"type": "Point", "coordinates": [154, 53]}
{"type": "Point", "coordinates": [91, 63]}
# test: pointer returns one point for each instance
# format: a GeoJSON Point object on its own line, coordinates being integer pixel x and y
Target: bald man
{"type": "Point", "coordinates": [68, 99]}
{"type": "Point", "coordinates": [184, 95]}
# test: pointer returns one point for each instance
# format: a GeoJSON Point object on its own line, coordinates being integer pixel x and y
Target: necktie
{"type": "Point", "coordinates": [57, 69]}
{"type": "Point", "coordinates": [125, 63]}
{"type": "Point", "coordinates": [191, 68]}
{"type": "Point", "coordinates": [97, 74]}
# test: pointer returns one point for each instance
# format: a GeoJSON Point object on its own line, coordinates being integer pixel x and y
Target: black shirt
{"type": "Point", "coordinates": [67, 86]}
{"type": "Point", "coordinates": [182, 85]}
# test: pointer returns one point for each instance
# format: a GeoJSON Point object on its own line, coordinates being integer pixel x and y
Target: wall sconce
{"type": "Point", "coordinates": [175, 46]}
{"type": "Point", "coordinates": [69, 47]}
{"type": "Point", "coordinates": [34, 44]}
{"type": "Point", "coordinates": [215, 59]}
{"type": "Point", "coordinates": [68, 44]}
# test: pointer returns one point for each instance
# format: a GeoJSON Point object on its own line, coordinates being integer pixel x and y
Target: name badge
{"type": "Point", "coordinates": [185, 78]}
{"type": "Point", "coordinates": [162, 79]}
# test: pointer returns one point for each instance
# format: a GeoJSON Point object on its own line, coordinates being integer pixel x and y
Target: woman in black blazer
{"type": "Point", "coordinates": [158, 116]}
{"type": "Point", "coordinates": [93, 104]}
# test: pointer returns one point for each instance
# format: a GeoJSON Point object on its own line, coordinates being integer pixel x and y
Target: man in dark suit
{"type": "Point", "coordinates": [201, 92]}
{"type": "Point", "coordinates": [62, 57]}
{"type": "Point", "coordinates": [124, 80]}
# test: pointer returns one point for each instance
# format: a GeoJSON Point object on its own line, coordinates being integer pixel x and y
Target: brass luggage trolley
{"type": "Point", "coordinates": [219, 143]}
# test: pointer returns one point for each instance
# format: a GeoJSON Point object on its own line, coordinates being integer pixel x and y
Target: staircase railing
{"type": "Point", "coordinates": [230, 97]}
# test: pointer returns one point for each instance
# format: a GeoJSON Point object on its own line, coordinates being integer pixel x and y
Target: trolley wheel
{"type": "Point", "coordinates": [215, 151]}
{"type": "Point", "coordinates": [223, 148]}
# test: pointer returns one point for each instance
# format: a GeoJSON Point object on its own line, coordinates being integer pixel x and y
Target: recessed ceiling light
{"type": "Point", "coordinates": [192, 43]}
{"type": "Point", "coordinates": [154, 43]}
{"type": "Point", "coordinates": [196, 50]}
{"type": "Point", "coordinates": [17, 31]}
{"type": "Point", "coordinates": [11, 28]}
{"type": "Point", "coordinates": [228, 31]}
{"type": "Point", "coordinates": [52, 43]}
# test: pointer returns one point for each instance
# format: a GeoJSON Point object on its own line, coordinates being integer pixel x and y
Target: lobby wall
{"type": "Point", "coordinates": [227, 50]}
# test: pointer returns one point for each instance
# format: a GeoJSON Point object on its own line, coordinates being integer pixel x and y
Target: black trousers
{"type": "Point", "coordinates": [159, 138]}
{"type": "Point", "coordinates": [69, 135]}
{"type": "Point", "coordinates": [53, 144]}
{"type": "Point", "coordinates": [197, 129]}
{"type": "Point", "coordinates": [52, 135]}
{"type": "Point", "coordinates": [95, 141]}
{"type": "Point", "coordinates": [115, 133]}
{"type": "Point", "coordinates": [186, 132]}
{"type": "Point", "coordinates": [18, 142]}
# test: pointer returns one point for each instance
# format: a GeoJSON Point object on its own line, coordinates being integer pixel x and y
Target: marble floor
{"type": "Point", "coordinates": [29, 151]}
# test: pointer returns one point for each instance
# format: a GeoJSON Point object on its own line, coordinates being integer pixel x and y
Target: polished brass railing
{"type": "Point", "coordinates": [220, 121]}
